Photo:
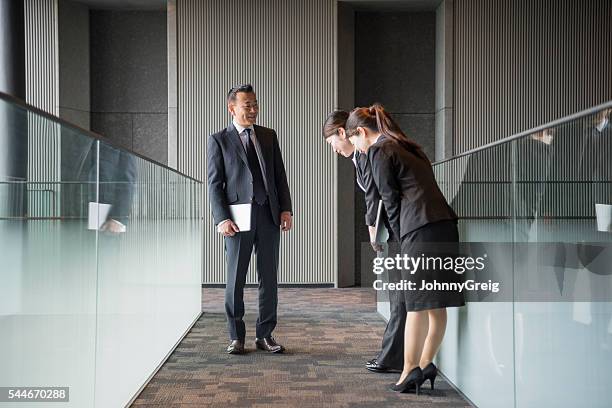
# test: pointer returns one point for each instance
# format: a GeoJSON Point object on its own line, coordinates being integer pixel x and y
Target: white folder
{"type": "Point", "coordinates": [241, 215]}
{"type": "Point", "coordinates": [98, 213]}
{"type": "Point", "coordinates": [382, 235]}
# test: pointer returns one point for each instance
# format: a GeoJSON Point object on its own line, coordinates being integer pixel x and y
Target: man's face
{"type": "Point", "coordinates": [601, 116]}
{"type": "Point", "coordinates": [244, 109]}
{"type": "Point", "coordinates": [548, 136]}
{"type": "Point", "coordinates": [341, 144]}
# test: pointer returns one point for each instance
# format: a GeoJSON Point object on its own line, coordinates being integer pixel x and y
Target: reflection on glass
{"type": "Point", "coordinates": [553, 186]}
{"type": "Point", "coordinates": [100, 254]}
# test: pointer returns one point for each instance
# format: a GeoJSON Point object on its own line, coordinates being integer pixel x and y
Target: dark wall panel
{"type": "Point", "coordinates": [395, 65]}
{"type": "Point", "coordinates": [129, 80]}
{"type": "Point", "coordinates": [522, 63]}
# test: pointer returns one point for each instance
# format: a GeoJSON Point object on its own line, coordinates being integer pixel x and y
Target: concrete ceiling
{"type": "Point", "coordinates": [394, 5]}
{"type": "Point", "coordinates": [374, 5]}
{"type": "Point", "coordinates": [124, 4]}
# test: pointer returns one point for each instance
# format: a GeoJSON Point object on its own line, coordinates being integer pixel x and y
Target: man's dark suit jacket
{"type": "Point", "coordinates": [229, 177]}
{"type": "Point", "coordinates": [594, 162]}
{"type": "Point", "coordinates": [116, 170]}
{"type": "Point", "coordinates": [407, 186]}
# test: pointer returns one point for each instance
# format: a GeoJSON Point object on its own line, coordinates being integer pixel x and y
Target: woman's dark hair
{"type": "Point", "coordinates": [376, 119]}
{"type": "Point", "coordinates": [335, 120]}
{"type": "Point", "coordinates": [231, 95]}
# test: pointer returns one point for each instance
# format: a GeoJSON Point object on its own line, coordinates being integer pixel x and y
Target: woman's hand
{"type": "Point", "coordinates": [377, 247]}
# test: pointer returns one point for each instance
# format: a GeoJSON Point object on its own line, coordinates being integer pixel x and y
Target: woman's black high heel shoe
{"type": "Point", "coordinates": [413, 381]}
{"type": "Point", "coordinates": [429, 373]}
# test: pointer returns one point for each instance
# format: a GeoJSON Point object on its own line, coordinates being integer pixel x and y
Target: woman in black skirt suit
{"type": "Point", "coordinates": [418, 213]}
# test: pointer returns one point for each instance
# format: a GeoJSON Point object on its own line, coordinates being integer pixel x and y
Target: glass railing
{"type": "Point", "coordinates": [548, 189]}
{"type": "Point", "coordinates": [100, 263]}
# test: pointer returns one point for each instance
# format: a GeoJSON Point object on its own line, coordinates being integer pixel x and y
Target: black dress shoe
{"type": "Point", "coordinates": [269, 344]}
{"type": "Point", "coordinates": [236, 347]}
{"type": "Point", "coordinates": [374, 366]}
{"type": "Point", "coordinates": [429, 373]}
{"type": "Point", "coordinates": [413, 381]}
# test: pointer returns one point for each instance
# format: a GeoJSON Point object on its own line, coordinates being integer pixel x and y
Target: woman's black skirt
{"type": "Point", "coordinates": [416, 244]}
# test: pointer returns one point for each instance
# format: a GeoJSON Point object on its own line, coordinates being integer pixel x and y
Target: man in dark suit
{"type": "Point", "coordinates": [245, 166]}
{"type": "Point", "coordinates": [595, 144]}
{"type": "Point", "coordinates": [117, 172]}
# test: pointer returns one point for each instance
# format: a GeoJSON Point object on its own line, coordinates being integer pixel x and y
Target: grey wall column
{"type": "Point", "coordinates": [13, 144]}
{"type": "Point", "coordinates": [345, 191]}
{"type": "Point", "coordinates": [287, 51]}
{"type": "Point", "coordinates": [172, 86]}
{"type": "Point", "coordinates": [521, 63]}
{"type": "Point", "coordinates": [42, 91]}
{"type": "Point", "coordinates": [444, 80]}
{"type": "Point", "coordinates": [42, 53]}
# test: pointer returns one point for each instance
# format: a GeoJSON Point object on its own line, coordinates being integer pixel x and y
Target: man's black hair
{"type": "Point", "coordinates": [231, 95]}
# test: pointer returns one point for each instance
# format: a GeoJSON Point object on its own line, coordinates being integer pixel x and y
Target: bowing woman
{"type": "Point", "coordinates": [418, 213]}
{"type": "Point", "coordinates": [390, 359]}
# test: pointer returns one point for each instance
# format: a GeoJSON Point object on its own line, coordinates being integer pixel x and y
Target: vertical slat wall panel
{"type": "Point", "coordinates": [42, 91]}
{"type": "Point", "coordinates": [521, 63]}
{"type": "Point", "coordinates": [286, 49]}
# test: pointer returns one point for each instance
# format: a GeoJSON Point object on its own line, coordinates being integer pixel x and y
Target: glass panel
{"type": "Point", "coordinates": [100, 261]}
{"type": "Point", "coordinates": [549, 196]}
{"type": "Point", "coordinates": [149, 272]}
{"type": "Point", "coordinates": [47, 257]}
{"type": "Point", "coordinates": [478, 345]}
{"type": "Point", "coordinates": [564, 347]}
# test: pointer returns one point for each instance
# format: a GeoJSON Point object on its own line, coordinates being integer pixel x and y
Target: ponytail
{"type": "Point", "coordinates": [389, 128]}
{"type": "Point", "coordinates": [378, 120]}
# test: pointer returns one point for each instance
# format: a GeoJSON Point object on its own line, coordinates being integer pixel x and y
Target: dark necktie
{"type": "Point", "coordinates": [259, 188]}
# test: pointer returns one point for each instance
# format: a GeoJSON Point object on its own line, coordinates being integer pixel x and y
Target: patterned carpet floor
{"type": "Point", "coordinates": [329, 335]}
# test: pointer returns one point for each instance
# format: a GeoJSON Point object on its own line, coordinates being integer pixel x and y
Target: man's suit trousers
{"type": "Point", "coordinates": [264, 237]}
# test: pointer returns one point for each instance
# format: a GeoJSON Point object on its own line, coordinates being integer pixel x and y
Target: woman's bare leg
{"type": "Point", "coordinates": [435, 335]}
{"type": "Point", "coordinates": [417, 324]}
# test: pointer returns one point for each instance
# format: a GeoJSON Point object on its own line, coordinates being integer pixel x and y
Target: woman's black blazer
{"type": "Point", "coordinates": [407, 186]}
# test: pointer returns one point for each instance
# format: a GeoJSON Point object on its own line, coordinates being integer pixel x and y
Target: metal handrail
{"type": "Point", "coordinates": [554, 123]}
{"type": "Point", "coordinates": [96, 136]}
